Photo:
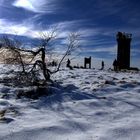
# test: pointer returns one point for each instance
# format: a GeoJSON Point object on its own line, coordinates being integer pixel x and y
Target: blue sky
{"type": "Point", "coordinates": [97, 21]}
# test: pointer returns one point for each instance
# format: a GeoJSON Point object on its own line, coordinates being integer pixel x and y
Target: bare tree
{"type": "Point", "coordinates": [28, 59]}
{"type": "Point", "coordinates": [16, 55]}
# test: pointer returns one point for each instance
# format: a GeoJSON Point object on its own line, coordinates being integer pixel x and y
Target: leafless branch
{"type": "Point", "coordinates": [73, 43]}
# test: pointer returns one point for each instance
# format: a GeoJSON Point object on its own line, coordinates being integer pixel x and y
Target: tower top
{"type": "Point", "coordinates": [124, 35]}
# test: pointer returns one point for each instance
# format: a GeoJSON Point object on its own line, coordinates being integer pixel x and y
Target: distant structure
{"type": "Point", "coordinates": [102, 65]}
{"type": "Point", "coordinates": [123, 54]}
{"type": "Point", "coordinates": [87, 61]}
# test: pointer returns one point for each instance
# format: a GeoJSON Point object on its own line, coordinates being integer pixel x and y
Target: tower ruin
{"type": "Point", "coordinates": [123, 52]}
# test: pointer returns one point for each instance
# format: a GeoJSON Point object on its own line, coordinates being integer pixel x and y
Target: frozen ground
{"type": "Point", "coordinates": [85, 105]}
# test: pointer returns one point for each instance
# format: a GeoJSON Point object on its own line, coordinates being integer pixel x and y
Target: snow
{"type": "Point", "coordinates": [84, 105]}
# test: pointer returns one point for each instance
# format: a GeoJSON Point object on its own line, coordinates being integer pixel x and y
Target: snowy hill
{"type": "Point", "coordinates": [84, 105]}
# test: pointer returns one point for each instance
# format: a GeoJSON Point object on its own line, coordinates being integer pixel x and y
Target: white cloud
{"type": "Point", "coordinates": [38, 6]}
{"type": "Point", "coordinates": [27, 29]}
{"type": "Point", "coordinates": [25, 4]}
{"type": "Point", "coordinates": [7, 27]}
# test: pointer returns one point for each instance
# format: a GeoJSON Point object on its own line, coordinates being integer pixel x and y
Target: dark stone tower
{"type": "Point", "coordinates": [123, 54]}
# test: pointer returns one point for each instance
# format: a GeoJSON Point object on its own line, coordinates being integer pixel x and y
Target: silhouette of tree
{"type": "Point", "coordinates": [31, 61]}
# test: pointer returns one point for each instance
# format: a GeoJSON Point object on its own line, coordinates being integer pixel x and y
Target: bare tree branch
{"type": "Point", "coordinates": [35, 60]}
{"type": "Point", "coordinates": [73, 43]}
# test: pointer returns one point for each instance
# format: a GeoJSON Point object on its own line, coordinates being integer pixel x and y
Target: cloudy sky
{"type": "Point", "coordinates": [97, 21]}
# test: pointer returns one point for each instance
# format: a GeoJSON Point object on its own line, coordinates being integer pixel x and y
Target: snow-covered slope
{"type": "Point", "coordinates": [85, 105]}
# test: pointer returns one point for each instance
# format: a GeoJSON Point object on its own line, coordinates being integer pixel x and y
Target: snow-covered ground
{"type": "Point", "coordinates": [84, 105]}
